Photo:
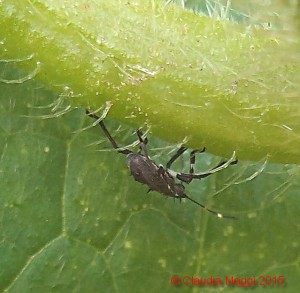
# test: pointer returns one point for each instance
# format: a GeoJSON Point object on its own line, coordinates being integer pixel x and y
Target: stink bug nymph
{"type": "Point", "coordinates": [159, 178]}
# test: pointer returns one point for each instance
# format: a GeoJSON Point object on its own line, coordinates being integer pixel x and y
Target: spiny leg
{"type": "Point", "coordinates": [107, 134]}
{"type": "Point", "coordinates": [187, 178]}
{"type": "Point", "coordinates": [215, 213]}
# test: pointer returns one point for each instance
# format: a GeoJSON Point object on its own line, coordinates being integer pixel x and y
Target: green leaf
{"type": "Point", "coordinates": [73, 220]}
{"type": "Point", "coordinates": [231, 86]}
{"type": "Point", "coordinates": [71, 217]}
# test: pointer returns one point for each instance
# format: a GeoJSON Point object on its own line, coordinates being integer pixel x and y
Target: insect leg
{"type": "Point", "coordinates": [176, 156]}
{"type": "Point", "coordinates": [193, 159]}
{"type": "Point", "coordinates": [107, 134]}
{"type": "Point", "coordinates": [143, 143]}
{"type": "Point", "coordinates": [223, 165]}
{"type": "Point", "coordinates": [188, 178]}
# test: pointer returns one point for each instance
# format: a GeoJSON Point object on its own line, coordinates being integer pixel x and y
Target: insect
{"type": "Point", "coordinates": [159, 178]}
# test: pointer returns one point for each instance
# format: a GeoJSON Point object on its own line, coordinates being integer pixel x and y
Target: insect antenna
{"type": "Point", "coordinates": [215, 213]}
